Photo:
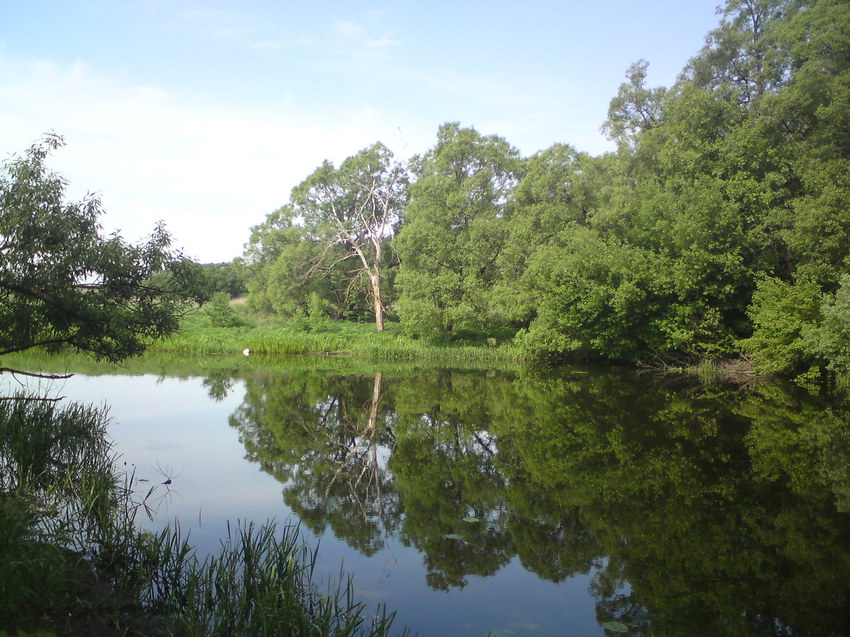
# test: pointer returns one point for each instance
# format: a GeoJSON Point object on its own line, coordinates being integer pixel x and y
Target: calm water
{"type": "Point", "coordinates": [573, 503]}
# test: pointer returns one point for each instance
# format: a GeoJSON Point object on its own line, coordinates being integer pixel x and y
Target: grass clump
{"type": "Point", "coordinates": [72, 561]}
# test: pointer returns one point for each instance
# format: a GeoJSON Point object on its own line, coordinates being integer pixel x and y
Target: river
{"type": "Point", "coordinates": [573, 502]}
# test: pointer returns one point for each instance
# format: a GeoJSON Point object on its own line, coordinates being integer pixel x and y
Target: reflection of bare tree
{"type": "Point", "coordinates": [358, 465]}
{"type": "Point", "coordinates": [327, 439]}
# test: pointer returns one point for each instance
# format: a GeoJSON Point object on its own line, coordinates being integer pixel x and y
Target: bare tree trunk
{"type": "Point", "coordinates": [379, 306]}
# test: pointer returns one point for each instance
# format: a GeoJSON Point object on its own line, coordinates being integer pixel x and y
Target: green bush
{"type": "Point", "coordinates": [220, 313]}
{"type": "Point", "coordinates": [831, 339]}
{"type": "Point", "coordinates": [782, 313]}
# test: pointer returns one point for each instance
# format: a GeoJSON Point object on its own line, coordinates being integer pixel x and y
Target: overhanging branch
{"type": "Point", "coordinates": [19, 372]}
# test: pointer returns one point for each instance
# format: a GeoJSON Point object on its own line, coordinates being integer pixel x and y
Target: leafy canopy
{"type": "Point", "coordinates": [62, 283]}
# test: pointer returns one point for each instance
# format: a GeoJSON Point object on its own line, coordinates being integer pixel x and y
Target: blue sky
{"type": "Point", "coordinates": [205, 114]}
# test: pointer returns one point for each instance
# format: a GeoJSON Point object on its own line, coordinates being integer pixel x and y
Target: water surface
{"type": "Point", "coordinates": [577, 502]}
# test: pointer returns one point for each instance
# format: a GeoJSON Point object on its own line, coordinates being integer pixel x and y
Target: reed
{"type": "Point", "coordinates": [260, 583]}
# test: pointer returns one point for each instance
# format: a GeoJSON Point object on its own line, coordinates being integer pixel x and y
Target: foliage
{"type": "Point", "coordinates": [284, 265]}
{"type": "Point", "coordinates": [219, 312]}
{"type": "Point", "coordinates": [635, 108]}
{"type": "Point", "coordinates": [63, 283]}
{"type": "Point", "coordinates": [330, 241]}
{"type": "Point", "coordinates": [596, 298]}
{"type": "Point", "coordinates": [781, 313]}
{"type": "Point", "coordinates": [553, 194]}
{"type": "Point", "coordinates": [830, 340]}
{"type": "Point", "coordinates": [224, 277]}
{"type": "Point", "coordinates": [454, 231]}
{"type": "Point", "coordinates": [726, 180]}
{"type": "Point", "coordinates": [356, 207]}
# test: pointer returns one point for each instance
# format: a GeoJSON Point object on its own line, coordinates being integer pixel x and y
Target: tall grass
{"type": "Point", "coordinates": [260, 583]}
{"type": "Point", "coordinates": [54, 465]}
{"type": "Point", "coordinates": [329, 337]}
{"type": "Point", "coordinates": [72, 560]}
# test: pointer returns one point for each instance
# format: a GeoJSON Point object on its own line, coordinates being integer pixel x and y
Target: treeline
{"type": "Point", "coordinates": [719, 228]}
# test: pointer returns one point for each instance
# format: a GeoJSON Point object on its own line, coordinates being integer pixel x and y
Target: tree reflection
{"type": "Point", "coordinates": [321, 436]}
{"type": "Point", "coordinates": [453, 493]}
{"type": "Point", "coordinates": [699, 509]}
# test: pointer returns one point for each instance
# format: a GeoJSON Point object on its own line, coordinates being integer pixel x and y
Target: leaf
{"type": "Point", "coordinates": [471, 519]}
{"type": "Point", "coordinates": [615, 627]}
{"type": "Point", "coordinates": [452, 536]}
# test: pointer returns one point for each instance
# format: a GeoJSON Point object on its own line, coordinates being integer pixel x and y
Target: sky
{"type": "Point", "coordinates": [205, 114]}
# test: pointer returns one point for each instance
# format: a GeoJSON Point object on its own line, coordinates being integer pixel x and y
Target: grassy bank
{"type": "Point", "coordinates": [72, 561]}
{"type": "Point", "coordinates": [335, 337]}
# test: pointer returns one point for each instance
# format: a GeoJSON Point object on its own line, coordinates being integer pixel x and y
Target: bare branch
{"type": "Point", "coordinates": [18, 372]}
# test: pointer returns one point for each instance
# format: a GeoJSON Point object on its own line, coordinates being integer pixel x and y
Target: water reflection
{"type": "Point", "coordinates": [708, 510]}
{"type": "Point", "coordinates": [698, 510]}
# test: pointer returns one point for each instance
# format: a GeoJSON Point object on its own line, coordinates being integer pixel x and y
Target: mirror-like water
{"type": "Point", "coordinates": [513, 503]}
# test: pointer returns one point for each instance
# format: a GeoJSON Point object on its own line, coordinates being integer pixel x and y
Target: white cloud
{"type": "Point", "coordinates": [210, 171]}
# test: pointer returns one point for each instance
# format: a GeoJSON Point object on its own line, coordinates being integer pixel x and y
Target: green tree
{"type": "Point", "coordinates": [552, 194]}
{"type": "Point", "coordinates": [224, 277]}
{"type": "Point", "coordinates": [742, 60]}
{"type": "Point", "coordinates": [286, 266]}
{"type": "Point", "coordinates": [781, 313]}
{"type": "Point", "coordinates": [737, 174]}
{"type": "Point", "coordinates": [219, 312]}
{"type": "Point", "coordinates": [455, 231]}
{"type": "Point", "coordinates": [597, 298]}
{"type": "Point", "coordinates": [63, 284]}
{"type": "Point", "coordinates": [636, 108]}
{"type": "Point", "coordinates": [830, 339]}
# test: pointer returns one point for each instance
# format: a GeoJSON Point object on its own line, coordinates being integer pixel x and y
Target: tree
{"type": "Point", "coordinates": [64, 284]}
{"type": "Point", "coordinates": [552, 195]}
{"type": "Point", "coordinates": [287, 268]}
{"type": "Point", "coordinates": [741, 60]}
{"type": "Point", "coordinates": [356, 207]}
{"type": "Point", "coordinates": [636, 108]}
{"type": "Point", "coordinates": [455, 231]}
{"type": "Point", "coordinates": [831, 339]}
{"type": "Point", "coordinates": [224, 277]}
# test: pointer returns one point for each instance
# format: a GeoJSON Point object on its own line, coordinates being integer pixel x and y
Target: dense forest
{"type": "Point", "coordinates": [720, 228]}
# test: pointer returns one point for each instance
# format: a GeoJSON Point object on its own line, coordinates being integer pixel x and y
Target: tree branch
{"type": "Point", "coordinates": [17, 372]}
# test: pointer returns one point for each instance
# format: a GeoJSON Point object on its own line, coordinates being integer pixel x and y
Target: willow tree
{"type": "Point", "coordinates": [455, 230]}
{"type": "Point", "coordinates": [356, 207]}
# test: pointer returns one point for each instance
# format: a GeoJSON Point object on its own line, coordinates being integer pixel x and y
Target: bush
{"type": "Point", "coordinates": [782, 313]}
{"type": "Point", "coordinates": [831, 339]}
{"type": "Point", "coordinates": [220, 313]}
